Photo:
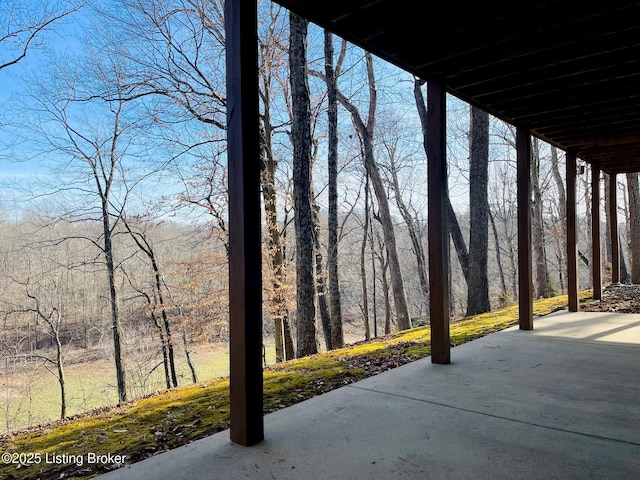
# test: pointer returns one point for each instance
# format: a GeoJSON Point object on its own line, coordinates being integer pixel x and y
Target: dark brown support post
{"type": "Point", "coordinates": [245, 251]}
{"type": "Point", "coordinates": [596, 260]}
{"type": "Point", "coordinates": [613, 218]}
{"type": "Point", "coordinates": [438, 225]}
{"type": "Point", "coordinates": [572, 237]}
{"type": "Point", "coordinates": [525, 272]}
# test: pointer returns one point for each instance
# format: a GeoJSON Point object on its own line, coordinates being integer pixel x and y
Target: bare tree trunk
{"type": "Point", "coordinates": [458, 239]}
{"type": "Point", "coordinates": [413, 230]}
{"type": "Point", "coordinates": [385, 285]}
{"type": "Point", "coordinates": [172, 362]}
{"type": "Point", "coordinates": [337, 337]}
{"type": "Point", "coordinates": [54, 322]}
{"type": "Point", "coordinates": [61, 378]}
{"type": "Point", "coordinates": [496, 240]}
{"type": "Point", "coordinates": [562, 209]}
{"type": "Point", "coordinates": [165, 354]}
{"type": "Point", "coordinates": [607, 210]}
{"type": "Point", "coordinates": [301, 137]}
{"type": "Point", "coordinates": [397, 283]}
{"type": "Point", "coordinates": [477, 281]}
{"type": "Point", "coordinates": [276, 254]}
{"type": "Point", "coordinates": [163, 342]}
{"type": "Point", "coordinates": [268, 167]}
{"type": "Point", "coordinates": [537, 225]}
{"type": "Point", "coordinates": [625, 277]}
{"type": "Point", "coordinates": [633, 232]}
{"type": "Point", "coordinates": [325, 319]}
{"type": "Point", "coordinates": [289, 347]}
{"type": "Point", "coordinates": [165, 328]}
{"type": "Point", "coordinates": [373, 279]}
{"type": "Point", "coordinates": [363, 271]}
{"type": "Point", "coordinates": [625, 274]}
{"type": "Point", "coordinates": [113, 297]}
{"type": "Point", "coordinates": [387, 300]}
{"type": "Point", "coordinates": [514, 270]}
{"type": "Point", "coordinates": [187, 353]}
{"type": "Point", "coordinates": [54, 327]}
{"type": "Point", "coordinates": [588, 215]}
{"type": "Point", "coordinates": [365, 132]}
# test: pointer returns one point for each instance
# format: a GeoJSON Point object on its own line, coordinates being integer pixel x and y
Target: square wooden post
{"type": "Point", "coordinates": [596, 258]}
{"type": "Point", "coordinates": [438, 225]}
{"type": "Point", "coordinates": [572, 237]}
{"type": "Point", "coordinates": [245, 249]}
{"type": "Point", "coordinates": [525, 271]}
{"type": "Point", "coordinates": [613, 218]}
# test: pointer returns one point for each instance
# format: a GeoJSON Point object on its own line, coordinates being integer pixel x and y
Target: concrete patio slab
{"type": "Point", "coordinates": [562, 401]}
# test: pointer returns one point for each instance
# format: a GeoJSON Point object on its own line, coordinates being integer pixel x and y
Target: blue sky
{"type": "Point", "coordinates": [63, 36]}
{"type": "Point", "coordinates": [67, 39]}
{"type": "Point", "coordinates": [25, 165]}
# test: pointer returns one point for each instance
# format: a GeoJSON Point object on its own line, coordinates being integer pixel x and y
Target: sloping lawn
{"type": "Point", "coordinates": [151, 425]}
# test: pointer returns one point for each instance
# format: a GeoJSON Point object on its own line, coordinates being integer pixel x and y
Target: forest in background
{"type": "Point", "coordinates": [113, 225]}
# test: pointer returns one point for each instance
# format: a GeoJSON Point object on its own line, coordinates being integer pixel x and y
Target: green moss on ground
{"type": "Point", "coordinates": [150, 425]}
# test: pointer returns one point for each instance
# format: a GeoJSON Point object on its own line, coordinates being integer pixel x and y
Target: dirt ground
{"type": "Point", "coordinates": [616, 298]}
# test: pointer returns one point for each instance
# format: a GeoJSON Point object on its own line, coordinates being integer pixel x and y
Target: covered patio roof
{"type": "Point", "coordinates": [563, 71]}
{"type": "Point", "coordinates": [568, 71]}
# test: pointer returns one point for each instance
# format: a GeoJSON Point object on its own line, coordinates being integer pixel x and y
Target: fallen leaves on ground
{"type": "Point", "coordinates": [619, 298]}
